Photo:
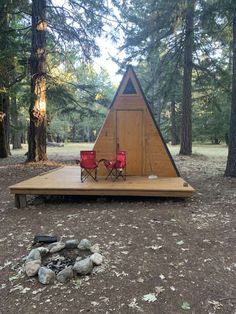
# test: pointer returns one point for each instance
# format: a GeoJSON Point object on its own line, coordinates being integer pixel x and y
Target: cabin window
{"type": "Point", "coordinates": [129, 89]}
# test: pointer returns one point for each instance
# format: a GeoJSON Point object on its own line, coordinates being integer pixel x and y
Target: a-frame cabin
{"type": "Point", "coordinates": [130, 126]}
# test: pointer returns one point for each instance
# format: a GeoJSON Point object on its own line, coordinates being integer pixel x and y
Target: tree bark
{"type": "Point", "coordinates": [174, 132]}
{"type": "Point", "coordinates": [49, 134]}
{"type": "Point", "coordinates": [231, 161]}
{"type": "Point", "coordinates": [16, 134]}
{"type": "Point", "coordinates": [3, 142]}
{"type": "Point", "coordinates": [4, 80]}
{"type": "Point", "coordinates": [6, 109]}
{"type": "Point", "coordinates": [158, 113]}
{"type": "Point", "coordinates": [74, 133]}
{"type": "Point", "coordinates": [37, 110]}
{"type": "Point", "coordinates": [186, 127]}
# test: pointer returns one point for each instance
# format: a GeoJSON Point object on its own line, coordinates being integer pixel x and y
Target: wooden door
{"type": "Point", "coordinates": [129, 137]}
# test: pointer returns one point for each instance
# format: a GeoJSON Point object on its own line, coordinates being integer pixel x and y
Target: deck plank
{"type": "Point", "coordinates": [66, 181]}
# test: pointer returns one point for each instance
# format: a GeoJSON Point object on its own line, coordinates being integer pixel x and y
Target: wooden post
{"type": "Point", "coordinates": [20, 200]}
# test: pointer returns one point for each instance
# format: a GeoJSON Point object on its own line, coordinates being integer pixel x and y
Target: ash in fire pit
{"type": "Point", "coordinates": [75, 258]}
{"type": "Point", "coordinates": [58, 265]}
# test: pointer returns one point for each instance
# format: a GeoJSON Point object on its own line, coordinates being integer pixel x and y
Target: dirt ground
{"type": "Point", "coordinates": [178, 253]}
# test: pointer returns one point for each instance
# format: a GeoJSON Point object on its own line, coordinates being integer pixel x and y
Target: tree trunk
{"type": "Point", "coordinates": [186, 128]}
{"type": "Point", "coordinates": [23, 138]}
{"type": "Point", "coordinates": [74, 133]}
{"type": "Point", "coordinates": [174, 132]}
{"type": "Point", "coordinates": [49, 137]}
{"type": "Point", "coordinates": [37, 110]}
{"type": "Point", "coordinates": [17, 141]}
{"type": "Point", "coordinates": [49, 134]}
{"type": "Point", "coordinates": [158, 113]}
{"type": "Point", "coordinates": [4, 81]}
{"type": "Point", "coordinates": [16, 134]}
{"type": "Point", "coordinates": [231, 161]}
{"type": "Point", "coordinates": [3, 142]}
{"type": "Point", "coordinates": [6, 109]}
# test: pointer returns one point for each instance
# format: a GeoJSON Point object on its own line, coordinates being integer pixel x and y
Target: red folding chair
{"type": "Point", "coordinates": [88, 164]}
{"type": "Point", "coordinates": [116, 168]}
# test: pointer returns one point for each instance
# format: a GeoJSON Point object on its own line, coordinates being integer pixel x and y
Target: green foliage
{"type": "Point", "coordinates": [74, 25]}
{"type": "Point", "coordinates": [154, 39]}
{"type": "Point", "coordinates": [153, 31]}
{"type": "Point", "coordinates": [77, 104]}
{"type": "Point", "coordinates": [77, 96]}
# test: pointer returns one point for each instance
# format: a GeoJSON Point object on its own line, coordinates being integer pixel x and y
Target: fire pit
{"type": "Point", "coordinates": [62, 261]}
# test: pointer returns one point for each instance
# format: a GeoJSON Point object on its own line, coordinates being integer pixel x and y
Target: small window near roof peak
{"type": "Point", "coordinates": [129, 89]}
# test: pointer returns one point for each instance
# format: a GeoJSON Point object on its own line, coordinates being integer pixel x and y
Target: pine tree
{"type": "Point", "coordinates": [231, 161]}
{"type": "Point", "coordinates": [37, 110]}
{"type": "Point", "coordinates": [4, 82]}
{"type": "Point", "coordinates": [186, 127]}
{"type": "Point", "coordinates": [164, 28]}
{"type": "Point", "coordinates": [225, 10]}
{"type": "Point", "coordinates": [77, 24]}
{"type": "Point", "coordinates": [11, 55]}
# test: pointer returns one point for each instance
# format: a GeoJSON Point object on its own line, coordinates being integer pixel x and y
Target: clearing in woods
{"type": "Point", "coordinates": [180, 254]}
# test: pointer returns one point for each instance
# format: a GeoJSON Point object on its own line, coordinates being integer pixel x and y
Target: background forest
{"type": "Point", "coordinates": [183, 53]}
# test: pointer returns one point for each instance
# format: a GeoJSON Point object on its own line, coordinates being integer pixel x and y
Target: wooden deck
{"type": "Point", "coordinates": [66, 181]}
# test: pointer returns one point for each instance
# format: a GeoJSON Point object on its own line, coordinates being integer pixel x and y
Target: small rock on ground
{"type": "Point", "coordinates": [83, 267]}
{"type": "Point", "coordinates": [56, 247]}
{"type": "Point", "coordinates": [72, 244]}
{"type": "Point", "coordinates": [84, 244]}
{"type": "Point", "coordinates": [32, 267]}
{"type": "Point", "coordinates": [43, 250]}
{"type": "Point", "coordinates": [65, 274]}
{"type": "Point", "coordinates": [95, 248]}
{"type": "Point", "coordinates": [33, 255]}
{"type": "Point", "coordinates": [97, 259]}
{"type": "Point", "coordinates": [46, 276]}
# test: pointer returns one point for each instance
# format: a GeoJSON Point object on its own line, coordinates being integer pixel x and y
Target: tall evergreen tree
{"type": "Point", "coordinates": [224, 12]}
{"type": "Point", "coordinates": [231, 161]}
{"type": "Point", "coordinates": [164, 28]}
{"type": "Point", "coordinates": [186, 127]}
{"type": "Point", "coordinates": [37, 110]}
{"type": "Point", "coordinates": [12, 64]}
{"type": "Point", "coordinates": [4, 82]}
{"type": "Point", "coordinates": [77, 24]}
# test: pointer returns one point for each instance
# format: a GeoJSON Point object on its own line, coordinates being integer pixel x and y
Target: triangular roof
{"type": "Point", "coordinates": [130, 98]}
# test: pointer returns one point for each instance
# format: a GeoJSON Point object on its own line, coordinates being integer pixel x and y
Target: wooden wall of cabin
{"type": "Point", "coordinates": [155, 159]}
{"type": "Point", "coordinates": [105, 145]}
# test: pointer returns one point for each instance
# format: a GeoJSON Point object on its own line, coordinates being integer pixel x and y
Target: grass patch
{"type": "Point", "coordinates": [203, 150]}
{"type": "Point", "coordinates": [199, 150]}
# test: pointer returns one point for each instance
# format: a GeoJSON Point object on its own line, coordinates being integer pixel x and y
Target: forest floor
{"type": "Point", "coordinates": [180, 254]}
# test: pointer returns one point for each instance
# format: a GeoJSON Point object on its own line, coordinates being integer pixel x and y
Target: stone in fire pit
{"type": "Point", "coordinates": [75, 258]}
